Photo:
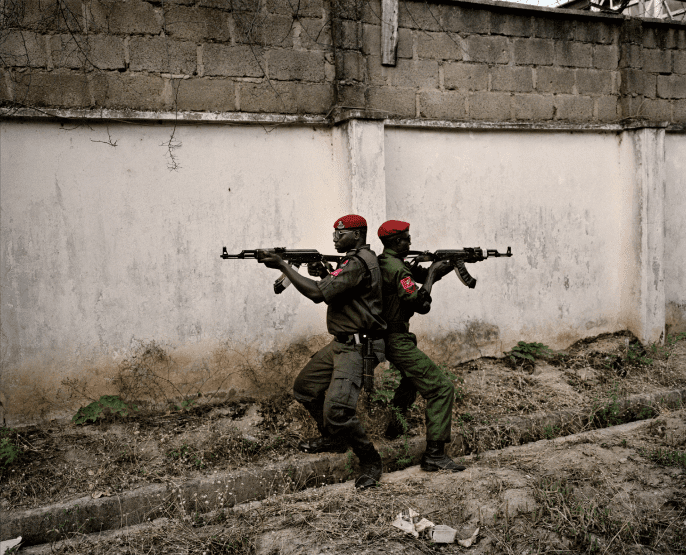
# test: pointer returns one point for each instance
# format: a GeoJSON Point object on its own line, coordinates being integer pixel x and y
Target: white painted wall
{"type": "Point", "coordinates": [675, 231]}
{"type": "Point", "coordinates": [552, 197]}
{"type": "Point", "coordinates": [103, 246]}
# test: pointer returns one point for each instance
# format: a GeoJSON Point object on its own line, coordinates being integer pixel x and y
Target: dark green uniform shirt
{"type": "Point", "coordinates": [401, 295]}
{"type": "Point", "coordinates": [353, 294]}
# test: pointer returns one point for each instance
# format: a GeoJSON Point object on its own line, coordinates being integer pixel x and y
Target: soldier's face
{"type": "Point", "coordinates": [345, 239]}
{"type": "Point", "coordinates": [403, 243]}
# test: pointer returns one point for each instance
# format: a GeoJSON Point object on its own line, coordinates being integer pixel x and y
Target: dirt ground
{"type": "Point", "coordinates": [623, 492]}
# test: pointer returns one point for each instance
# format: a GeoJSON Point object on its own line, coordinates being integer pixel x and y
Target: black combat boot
{"type": "Point", "coordinates": [370, 467]}
{"type": "Point", "coordinates": [323, 444]}
{"type": "Point", "coordinates": [434, 458]}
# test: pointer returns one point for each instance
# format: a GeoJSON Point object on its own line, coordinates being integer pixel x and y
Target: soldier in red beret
{"type": "Point", "coordinates": [401, 299]}
{"type": "Point", "coordinates": [330, 383]}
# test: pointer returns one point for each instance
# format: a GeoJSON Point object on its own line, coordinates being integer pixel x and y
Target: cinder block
{"type": "Point", "coordinates": [23, 49]}
{"type": "Point", "coordinates": [573, 54]}
{"type": "Point", "coordinates": [680, 62]}
{"type": "Point", "coordinates": [5, 90]}
{"type": "Point", "coordinates": [637, 82]}
{"type": "Point", "coordinates": [206, 95]}
{"type": "Point", "coordinates": [657, 61]}
{"type": "Point", "coordinates": [59, 89]}
{"type": "Point", "coordinates": [348, 35]}
{"type": "Point", "coordinates": [69, 51]}
{"type": "Point", "coordinates": [679, 111]}
{"type": "Point", "coordinates": [631, 31]}
{"type": "Point", "coordinates": [605, 56]}
{"type": "Point", "coordinates": [512, 78]}
{"type": "Point", "coordinates": [137, 91]}
{"type": "Point", "coordinates": [393, 102]}
{"type": "Point", "coordinates": [593, 81]}
{"type": "Point", "coordinates": [439, 46]}
{"type": "Point", "coordinates": [680, 39]}
{"type": "Point", "coordinates": [554, 28]}
{"type": "Point", "coordinates": [631, 55]}
{"type": "Point", "coordinates": [419, 15]}
{"type": "Point", "coordinates": [656, 109]}
{"type": "Point", "coordinates": [533, 107]}
{"type": "Point", "coordinates": [106, 51]}
{"type": "Point", "coordinates": [492, 106]}
{"type": "Point", "coordinates": [511, 25]}
{"type": "Point", "coordinates": [573, 108]}
{"type": "Point", "coordinates": [232, 61]}
{"type": "Point", "coordinates": [301, 8]}
{"type": "Point", "coordinates": [45, 16]}
{"type": "Point", "coordinates": [197, 24]}
{"type": "Point", "coordinates": [285, 97]}
{"type": "Point", "coordinates": [448, 105]}
{"type": "Point", "coordinates": [263, 30]}
{"type": "Point", "coordinates": [539, 52]}
{"type": "Point", "coordinates": [371, 40]}
{"type": "Point", "coordinates": [465, 77]}
{"type": "Point", "coordinates": [487, 49]}
{"type": "Point", "coordinates": [351, 95]}
{"type": "Point", "coordinates": [671, 86]}
{"type": "Point", "coordinates": [555, 80]}
{"type": "Point", "coordinates": [350, 66]}
{"type": "Point", "coordinates": [371, 12]}
{"type": "Point", "coordinates": [162, 55]}
{"type": "Point", "coordinates": [595, 31]}
{"type": "Point", "coordinates": [606, 108]}
{"type": "Point", "coordinates": [131, 17]}
{"type": "Point", "coordinates": [407, 73]}
{"type": "Point", "coordinates": [463, 19]}
{"type": "Point", "coordinates": [287, 65]}
{"type": "Point", "coordinates": [405, 43]}
{"type": "Point", "coordinates": [315, 34]}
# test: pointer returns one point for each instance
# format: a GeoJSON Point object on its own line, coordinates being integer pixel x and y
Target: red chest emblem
{"type": "Point", "coordinates": [408, 285]}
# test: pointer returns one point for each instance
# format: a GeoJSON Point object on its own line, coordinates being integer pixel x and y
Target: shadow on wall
{"type": "Point", "coordinates": [478, 339]}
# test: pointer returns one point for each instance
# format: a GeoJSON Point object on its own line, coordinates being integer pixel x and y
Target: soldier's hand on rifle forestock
{"type": "Point", "coordinates": [440, 268]}
{"type": "Point", "coordinates": [270, 259]}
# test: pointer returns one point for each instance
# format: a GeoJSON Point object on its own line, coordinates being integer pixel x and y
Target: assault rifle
{"type": "Point", "coordinates": [295, 257]}
{"type": "Point", "coordinates": [458, 258]}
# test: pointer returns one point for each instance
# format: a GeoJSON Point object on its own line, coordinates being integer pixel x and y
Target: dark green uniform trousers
{"type": "Point", "coordinates": [420, 374]}
{"type": "Point", "coordinates": [329, 387]}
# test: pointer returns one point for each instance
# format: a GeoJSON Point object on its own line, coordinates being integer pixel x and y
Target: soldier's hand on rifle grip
{"type": "Point", "coordinates": [317, 269]}
{"type": "Point", "coordinates": [441, 268]}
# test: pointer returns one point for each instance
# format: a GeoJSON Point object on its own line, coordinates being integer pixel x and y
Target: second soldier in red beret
{"type": "Point", "coordinates": [402, 298]}
{"type": "Point", "coordinates": [330, 383]}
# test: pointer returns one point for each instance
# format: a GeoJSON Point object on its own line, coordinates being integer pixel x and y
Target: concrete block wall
{"type": "Point", "coordinates": [456, 60]}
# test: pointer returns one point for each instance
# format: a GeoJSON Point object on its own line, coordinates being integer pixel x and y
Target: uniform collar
{"type": "Point", "coordinates": [391, 252]}
{"type": "Point", "coordinates": [355, 251]}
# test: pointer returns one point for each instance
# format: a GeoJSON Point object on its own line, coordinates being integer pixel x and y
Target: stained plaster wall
{"type": "Point", "coordinates": [675, 232]}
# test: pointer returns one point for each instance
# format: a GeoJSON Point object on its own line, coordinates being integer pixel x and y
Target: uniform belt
{"type": "Point", "coordinates": [397, 327]}
{"type": "Point", "coordinates": [354, 338]}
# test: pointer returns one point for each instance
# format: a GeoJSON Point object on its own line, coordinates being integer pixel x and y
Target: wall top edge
{"type": "Point", "coordinates": [496, 5]}
{"type": "Point", "coordinates": [244, 118]}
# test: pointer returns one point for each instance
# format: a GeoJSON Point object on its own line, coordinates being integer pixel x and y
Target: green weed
{"type": "Point", "coordinates": [10, 452]}
{"type": "Point", "coordinates": [666, 457]}
{"type": "Point", "coordinates": [107, 405]}
{"type": "Point", "coordinates": [529, 351]}
{"type": "Point", "coordinates": [550, 432]}
{"type": "Point", "coordinates": [607, 413]}
{"type": "Point", "coordinates": [390, 381]}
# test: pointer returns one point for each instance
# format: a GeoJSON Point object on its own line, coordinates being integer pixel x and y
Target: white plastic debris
{"type": "Point", "coordinates": [409, 521]}
{"type": "Point", "coordinates": [9, 544]}
{"type": "Point", "coordinates": [443, 534]}
{"type": "Point", "coordinates": [469, 541]}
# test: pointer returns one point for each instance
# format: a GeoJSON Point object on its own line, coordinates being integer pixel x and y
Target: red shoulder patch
{"type": "Point", "coordinates": [336, 272]}
{"type": "Point", "coordinates": [408, 284]}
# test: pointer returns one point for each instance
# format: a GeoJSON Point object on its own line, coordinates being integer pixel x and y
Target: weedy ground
{"type": "Point", "coordinates": [621, 495]}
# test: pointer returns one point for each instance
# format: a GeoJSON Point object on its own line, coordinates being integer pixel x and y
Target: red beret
{"type": "Point", "coordinates": [351, 221]}
{"type": "Point", "coordinates": [392, 227]}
